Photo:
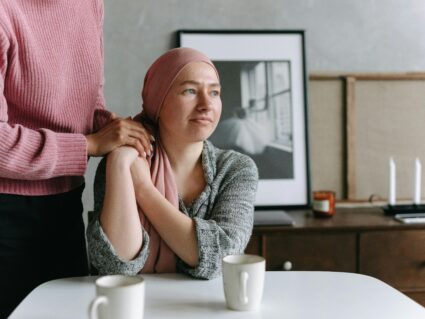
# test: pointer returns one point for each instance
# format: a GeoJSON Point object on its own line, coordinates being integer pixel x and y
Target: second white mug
{"type": "Point", "coordinates": [118, 296]}
{"type": "Point", "coordinates": [243, 281]}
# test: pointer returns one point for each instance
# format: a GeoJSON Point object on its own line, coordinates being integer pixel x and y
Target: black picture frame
{"type": "Point", "coordinates": [264, 93]}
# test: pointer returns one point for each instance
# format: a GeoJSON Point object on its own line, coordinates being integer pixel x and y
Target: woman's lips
{"type": "Point", "coordinates": [202, 120]}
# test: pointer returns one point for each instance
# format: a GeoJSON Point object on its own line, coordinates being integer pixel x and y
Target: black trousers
{"type": "Point", "coordinates": [41, 238]}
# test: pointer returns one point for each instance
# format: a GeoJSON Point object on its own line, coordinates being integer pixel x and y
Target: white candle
{"type": "Point", "coordinates": [391, 196]}
{"type": "Point", "coordinates": [417, 191]}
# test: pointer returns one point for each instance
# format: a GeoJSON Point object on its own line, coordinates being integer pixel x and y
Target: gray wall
{"type": "Point", "coordinates": [341, 36]}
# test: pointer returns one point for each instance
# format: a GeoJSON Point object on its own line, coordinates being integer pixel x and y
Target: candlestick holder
{"type": "Point", "coordinates": [404, 209]}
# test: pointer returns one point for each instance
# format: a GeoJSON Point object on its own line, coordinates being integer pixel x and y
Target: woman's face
{"type": "Point", "coordinates": [192, 107]}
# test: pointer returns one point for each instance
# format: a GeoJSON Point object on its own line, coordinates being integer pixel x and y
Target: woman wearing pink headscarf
{"type": "Point", "coordinates": [186, 204]}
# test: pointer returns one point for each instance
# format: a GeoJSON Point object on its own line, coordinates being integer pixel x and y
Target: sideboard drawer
{"type": "Point", "coordinates": [253, 246]}
{"type": "Point", "coordinates": [396, 257]}
{"type": "Point", "coordinates": [311, 251]}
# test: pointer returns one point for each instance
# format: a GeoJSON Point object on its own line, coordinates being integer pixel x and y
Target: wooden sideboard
{"type": "Point", "coordinates": [361, 240]}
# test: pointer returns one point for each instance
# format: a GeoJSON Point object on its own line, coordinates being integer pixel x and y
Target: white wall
{"type": "Point", "coordinates": [341, 35]}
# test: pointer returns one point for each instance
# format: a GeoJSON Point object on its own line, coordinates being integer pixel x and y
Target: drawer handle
{"type": "Point", "coordinates": [287, 265]}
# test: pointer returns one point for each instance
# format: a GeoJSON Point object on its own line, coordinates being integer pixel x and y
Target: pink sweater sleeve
{"type": "Point", "coordinates": [28, 154]}
{"type": "Point", "coordinates": [101, 116]}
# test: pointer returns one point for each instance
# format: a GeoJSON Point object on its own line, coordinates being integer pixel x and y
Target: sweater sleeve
{"type": "Point", "coordinates": [101, 116]}
{"type": "Point", "coordinates": [29, 154]}
{"type": "Point", "coordinates": [228, 229]}
{"type": "Point", "coordinates": [101, 252]}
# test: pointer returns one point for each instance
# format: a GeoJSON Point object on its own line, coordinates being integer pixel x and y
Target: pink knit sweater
{"type": "Point", "coordinates": [51, 83]}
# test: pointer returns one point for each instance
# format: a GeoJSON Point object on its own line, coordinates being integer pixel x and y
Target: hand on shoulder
{"type": "Point", "coordinates": [120, 132]}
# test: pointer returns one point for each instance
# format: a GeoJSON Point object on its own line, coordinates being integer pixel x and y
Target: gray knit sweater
{"type": "Point", "coordinates": [223, 215]}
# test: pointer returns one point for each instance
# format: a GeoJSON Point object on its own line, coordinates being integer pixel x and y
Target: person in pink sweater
{"type": "Point", "coordinates": [52, 118]}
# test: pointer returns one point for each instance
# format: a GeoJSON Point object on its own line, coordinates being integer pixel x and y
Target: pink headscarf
{"type": "Point", "coordinates": [158, 81]}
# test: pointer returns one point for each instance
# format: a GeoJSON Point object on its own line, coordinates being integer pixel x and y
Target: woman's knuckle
{"type": "Point", "coordinates": [121, 136]}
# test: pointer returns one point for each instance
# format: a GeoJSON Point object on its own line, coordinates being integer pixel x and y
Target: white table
{"type": "Point", "coordinates": [289, 295]}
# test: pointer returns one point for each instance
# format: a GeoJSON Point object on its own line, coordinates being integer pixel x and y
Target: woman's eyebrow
{"type": "Point", "coordinates": [215, 84]}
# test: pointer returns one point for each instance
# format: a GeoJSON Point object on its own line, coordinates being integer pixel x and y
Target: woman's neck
{"type": "Point", "coordinates": [183, 157]}
{"type": "Point", "coordinates": [186, 163]}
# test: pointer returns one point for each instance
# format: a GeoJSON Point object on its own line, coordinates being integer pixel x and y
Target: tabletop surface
{"type": "Point", "coordinates": [302, 294]}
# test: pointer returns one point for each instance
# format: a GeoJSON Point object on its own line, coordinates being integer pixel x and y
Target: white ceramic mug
{"type": "Point", "coordinates": [243, 281]}
{"type": "Point", "coordinates": [118, 296]}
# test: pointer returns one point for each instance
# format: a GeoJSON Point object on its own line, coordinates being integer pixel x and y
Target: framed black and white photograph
{"type": "Point", "coordinates": [264, 116]}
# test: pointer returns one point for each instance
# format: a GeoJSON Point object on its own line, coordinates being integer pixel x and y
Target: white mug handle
{"type": "Point", "coordinates": [243, 296]}
{"type": "Point", "coordinates": [93, 308]}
